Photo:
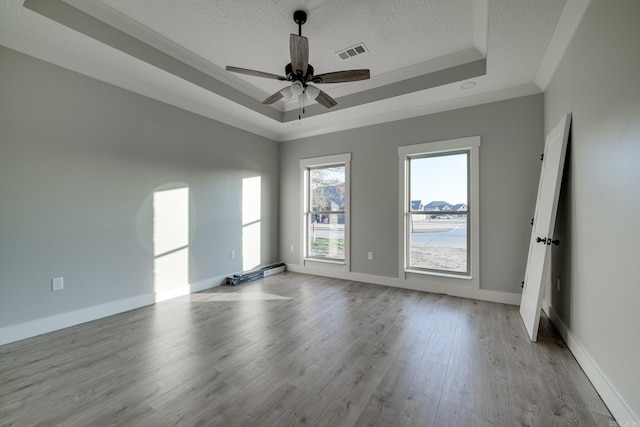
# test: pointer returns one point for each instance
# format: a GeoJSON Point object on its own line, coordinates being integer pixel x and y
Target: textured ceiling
{"type": "Point", "coordinates": [254, 34]}
{"type": "Point", "coordinates": [420, 52]}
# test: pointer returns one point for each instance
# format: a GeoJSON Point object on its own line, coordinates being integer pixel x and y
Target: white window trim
{"type": "Point", "coordinates": [473, 145]}
{"type": "Point", "coordinates": [313, 162]}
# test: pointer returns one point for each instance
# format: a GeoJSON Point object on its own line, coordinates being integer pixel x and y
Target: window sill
{"type": "Point", "coordinates": [433, 273]}
{"type": "Point", "coordinates": [326, 261]}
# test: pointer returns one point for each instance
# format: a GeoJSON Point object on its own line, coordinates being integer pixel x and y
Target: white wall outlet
{"type": "Point", "coordinates": [57, 283]}
{"type": "Point", "coordinates": [370, 256]}
{"type": "Point", "coordinates": [291, 248]}
{"type": "Point", "coordinates": [232, 254]}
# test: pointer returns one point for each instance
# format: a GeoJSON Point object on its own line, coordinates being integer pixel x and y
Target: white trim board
{"type": "Point", "coordinates": [472, 145]}
{"type": "Point", "coordinates": [610, 396]}
{"type": "Point", "coordinates": [21, 331]}
{"type": "Point", "coordinates": [415, 285]}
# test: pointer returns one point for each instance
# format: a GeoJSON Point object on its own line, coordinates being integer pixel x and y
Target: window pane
{"type": "Point", "coordinates": [438, 239]}
{"type": "Point", "coordinates": [439, 242]}
{"type": "Point", "coordinates": [439, 183]}
{"type": "Point", "coordinates": [326, 235]}
{"type": "Point", "coordinates": [327, 187]}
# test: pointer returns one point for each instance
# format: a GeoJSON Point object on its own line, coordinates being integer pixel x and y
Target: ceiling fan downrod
{"type": "Point", "coordinates": [300, 17]}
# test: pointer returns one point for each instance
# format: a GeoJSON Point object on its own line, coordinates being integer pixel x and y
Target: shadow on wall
{"type": "Point", "coordinates": [561, 275]}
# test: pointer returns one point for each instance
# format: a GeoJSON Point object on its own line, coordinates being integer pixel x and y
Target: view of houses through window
{"type": "Point", "coordinates": [326, 212]}
{"type": "Point", "coordinates": [438, 213]}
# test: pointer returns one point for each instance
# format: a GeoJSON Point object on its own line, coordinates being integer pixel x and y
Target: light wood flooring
{"type": "Point", "coordinates": [295, 349]}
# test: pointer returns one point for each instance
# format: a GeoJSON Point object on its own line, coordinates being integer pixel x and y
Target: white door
{"type": "Point", "coordinates": [555, 148]}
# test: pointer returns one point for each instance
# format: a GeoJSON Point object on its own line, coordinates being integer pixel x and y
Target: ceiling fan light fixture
{"type": "Point", "coordinates": [296, 88]}
{"type": "Point", "coordinates": [287, 94]}
{"type": "Point", "coordinates": [311, 92]}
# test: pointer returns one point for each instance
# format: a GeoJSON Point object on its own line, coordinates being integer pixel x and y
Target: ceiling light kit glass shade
{"type": "Point", "coordinates": [297, 89]}
{"type": "Point", "coordinates": [311, 92]}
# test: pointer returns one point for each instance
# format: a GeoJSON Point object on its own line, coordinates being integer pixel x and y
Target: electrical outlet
{"type": "Point", "coordinates": [558, 284]}
{"type": "Point", "coordinates": [57, 284]}
{"type": "Point", "coordinates": [370, 256]}
{"type": "Point", "coordinates": [291, 248]}
{"type": "Point", "coordinates": [232, 254]}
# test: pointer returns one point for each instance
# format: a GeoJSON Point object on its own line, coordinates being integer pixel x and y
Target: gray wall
{"type": "Point", "coordinates": [512, 140]}
{"type": "Point", "coordinates": [597, 262]}
{"type": "Point", "coordinates": [79, 163]}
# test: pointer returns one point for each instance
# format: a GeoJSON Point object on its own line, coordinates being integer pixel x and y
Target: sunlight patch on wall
{"type": "Point", "coordinates": [171, 243]}
{"type": "Point", "coordinates": [251, 222]}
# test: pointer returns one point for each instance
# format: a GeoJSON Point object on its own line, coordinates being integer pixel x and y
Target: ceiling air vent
{"type": "Point", "coordinates": [352, 51]}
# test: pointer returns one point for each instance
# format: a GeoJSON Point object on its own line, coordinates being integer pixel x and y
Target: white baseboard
{"type": "Point", "coordinates": [424, 286]}
{"type": "Point", "coordinates": [207, 284]}
{"type": "Point", "coordinates": [9, 334]}
{"type": "Point", "coordinates": [610, 396]}
{"type": "Point", "coordinates": [41, 326]}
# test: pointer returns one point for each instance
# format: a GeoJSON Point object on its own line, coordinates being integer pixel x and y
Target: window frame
{"type": "Point", "coordinates": [306, 165]}
{"type": "Point", "coordinates": [410, 212]}
{"type": "Point", "coordinates": [471, 146]}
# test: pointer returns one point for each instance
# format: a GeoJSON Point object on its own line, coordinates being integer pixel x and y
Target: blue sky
{"type": "Point", "coordinates": [439, 178]}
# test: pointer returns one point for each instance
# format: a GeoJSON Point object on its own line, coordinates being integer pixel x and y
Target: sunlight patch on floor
{"type": "Point", "coordinates": [237, 296]}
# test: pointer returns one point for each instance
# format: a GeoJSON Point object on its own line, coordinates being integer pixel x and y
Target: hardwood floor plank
{"type": "Point", "coordinates": [493, 393]}
{"type": "Point", "coordinates": [422, 400]}
{"type": "Point", "coordinates": [387, 401]}
{"type": "Point", "coordinates": [293, 349]}
{"type": "Point", "coordinates": [528, 404]}
{"type": "Point", "coordinates": [452, 415]}
{"type": "Point", "coordinates": [347, 404]}
{"type": "Point", "coordinates": [315, 398]}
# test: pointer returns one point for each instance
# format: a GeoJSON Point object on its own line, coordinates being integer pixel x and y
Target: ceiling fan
{"type": "Point", "coordinates": [300, 73]}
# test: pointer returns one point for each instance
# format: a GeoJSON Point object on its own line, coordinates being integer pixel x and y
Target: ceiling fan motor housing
{"type": "Point", "coordinates": [288, 71]}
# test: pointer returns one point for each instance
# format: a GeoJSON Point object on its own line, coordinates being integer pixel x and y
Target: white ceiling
{"type": "Point", "coordinates": [420, 52]}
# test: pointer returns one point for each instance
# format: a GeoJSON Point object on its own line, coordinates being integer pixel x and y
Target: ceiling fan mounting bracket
{"type": "Point", "coordinates": [300, 17]}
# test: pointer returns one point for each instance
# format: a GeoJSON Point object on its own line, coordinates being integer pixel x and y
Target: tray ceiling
{"type": "Point", "coordinates": [420, 53]}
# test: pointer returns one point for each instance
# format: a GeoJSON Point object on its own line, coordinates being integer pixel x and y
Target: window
{"type": "Point", "coordinates": [325, 209]}
{"type": "Point", "coordinates": [439, 207]}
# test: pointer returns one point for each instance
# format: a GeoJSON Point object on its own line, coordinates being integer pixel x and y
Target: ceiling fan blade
{"type": "Point", "coordinates": [273, 98]}
{"type": "Point", "coordinates": [255, 73]}
{"type": "Point", "coordinates": [299, 48]}
{"type": "Point", "coordinates": [324, 99]}
{"type": "Point", "coordinates": [342, 76]}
